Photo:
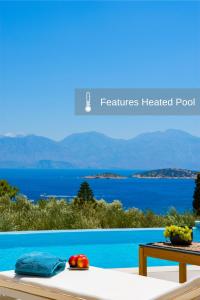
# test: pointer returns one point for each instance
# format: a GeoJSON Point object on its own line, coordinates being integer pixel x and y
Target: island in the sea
{"type": "Point", "coordinates": [171, 173]}
{"type": "Point", "coordinates": [105, 176]}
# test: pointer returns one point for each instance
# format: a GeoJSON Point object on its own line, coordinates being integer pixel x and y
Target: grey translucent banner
{"type": "Point", "coordinates": [141, 101]}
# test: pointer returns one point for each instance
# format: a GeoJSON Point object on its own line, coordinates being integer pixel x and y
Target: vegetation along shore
{"type": "Point", "coordinates": [83, 211]}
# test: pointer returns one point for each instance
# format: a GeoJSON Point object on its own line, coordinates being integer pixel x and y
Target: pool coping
{"type": "Point", "coordinates": [81, 230]}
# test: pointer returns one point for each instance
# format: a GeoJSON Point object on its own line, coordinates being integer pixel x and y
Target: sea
{"type": "Point", "coordinates": [159, 195]}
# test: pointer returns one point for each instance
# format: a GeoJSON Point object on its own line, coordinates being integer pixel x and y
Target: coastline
{"type": "Point", "coordinates": [157, 177]}
{"type": "Point", "coordinates": [136, 176]}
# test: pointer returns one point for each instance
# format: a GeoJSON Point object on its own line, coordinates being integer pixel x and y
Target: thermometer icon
{"type": "Point", "coordinates": [87, 102]}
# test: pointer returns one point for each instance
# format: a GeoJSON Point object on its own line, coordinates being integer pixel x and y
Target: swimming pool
{"type": "Point", "coordinates": [116, 248]}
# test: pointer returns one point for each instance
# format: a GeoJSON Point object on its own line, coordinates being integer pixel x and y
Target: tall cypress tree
{"type": "Point", "coordinates": [85, 193]}
{"type": "Point", "coordinates": [196, 196]}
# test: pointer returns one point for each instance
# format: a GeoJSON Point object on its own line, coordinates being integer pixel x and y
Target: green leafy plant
{"type": "Point", "coordinates": [184, 232]}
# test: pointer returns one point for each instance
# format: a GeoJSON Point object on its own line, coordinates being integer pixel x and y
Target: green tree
{"type": "Point", "coordinates": [7, 190]}
{"type": "Point", "coordinates": [196, 196]}
{"type": "Point", "coordinates": [85, 194]}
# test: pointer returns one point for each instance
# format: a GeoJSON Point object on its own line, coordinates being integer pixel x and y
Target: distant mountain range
{"type": "Point", "coordinates": [169, 149]}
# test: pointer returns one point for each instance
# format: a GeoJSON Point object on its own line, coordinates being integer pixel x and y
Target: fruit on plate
{"type": "Point", "coordinates": [78, 261]}
{"type": "Point", "coordinates": [82, 262]}
{"type": "Point", "coordinates": [73, 261]}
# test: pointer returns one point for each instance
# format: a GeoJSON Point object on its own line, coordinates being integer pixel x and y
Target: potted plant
{"type": "Point", "coordinates": [179, 235]}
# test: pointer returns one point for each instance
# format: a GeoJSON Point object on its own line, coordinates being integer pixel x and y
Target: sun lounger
{"type": "Point", "coordinates": [95, 284]}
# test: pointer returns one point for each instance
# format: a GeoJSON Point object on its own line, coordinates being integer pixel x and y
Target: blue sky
{"type": "Point", "coordinates": [47, 49]}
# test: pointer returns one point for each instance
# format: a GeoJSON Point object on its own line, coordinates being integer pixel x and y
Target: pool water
{"type": "Point", "coordinates": [105, 248]}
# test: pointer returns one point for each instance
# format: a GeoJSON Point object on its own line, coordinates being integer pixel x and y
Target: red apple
{"type": "Point", "coordinates": [73, 261]}
{"type": "Point", "coordinates": [82, 262]}
{"type": "Point", "coordinates": [81, 255]}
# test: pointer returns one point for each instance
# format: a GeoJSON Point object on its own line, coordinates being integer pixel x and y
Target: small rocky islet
{"type": "Point", "coordinates": [105, 176]}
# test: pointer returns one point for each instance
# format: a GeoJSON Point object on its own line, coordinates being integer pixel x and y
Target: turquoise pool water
{"type": "Point", "coordinates": [105, 248]}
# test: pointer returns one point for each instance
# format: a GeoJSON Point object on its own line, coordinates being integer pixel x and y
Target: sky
{"type": "Point", "coordinates": [47, 49]}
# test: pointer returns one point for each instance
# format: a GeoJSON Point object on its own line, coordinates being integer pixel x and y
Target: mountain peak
{"type": "Point", "coordinates": [89, 135]}
{"type": "Point", "coordinates": [167, 133]}
{"type": "Point", "coordinates": [177, 132]}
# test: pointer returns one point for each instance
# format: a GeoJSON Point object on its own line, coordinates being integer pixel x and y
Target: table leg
{"type": "Point", "coordinates": [182, 273]}
{"type": "Point", "coordinates": [142, 262]}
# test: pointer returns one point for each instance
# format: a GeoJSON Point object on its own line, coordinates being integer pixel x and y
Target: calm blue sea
{"type": "Point", "coordinates": [156, 194]}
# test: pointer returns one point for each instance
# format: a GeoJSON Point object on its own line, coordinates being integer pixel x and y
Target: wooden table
{"type": "Point", "coordinates": [182, 254]}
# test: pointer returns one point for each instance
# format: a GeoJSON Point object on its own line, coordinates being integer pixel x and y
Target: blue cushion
{"type": "Point", "coordinates": [39, 264]}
